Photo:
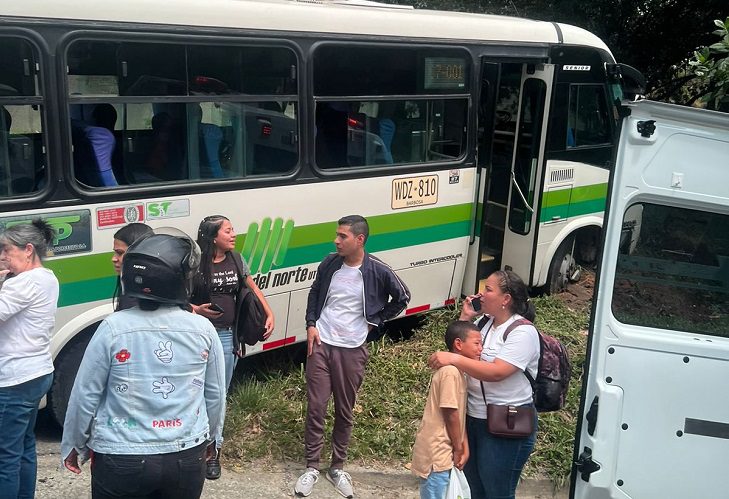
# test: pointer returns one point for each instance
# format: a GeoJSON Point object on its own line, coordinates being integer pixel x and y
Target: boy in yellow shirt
{"type": "Point", "coordinates": [441, 441]}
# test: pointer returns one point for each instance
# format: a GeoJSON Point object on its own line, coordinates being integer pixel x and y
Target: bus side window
{"type": "Point", "coordinates": [22, 157]}
{"type": "Point", "coordinates": [171, 125]}
{"type": "Point", "coordinates": [419, 116]}
{"type": "Point", "coordinates": [588, 117]}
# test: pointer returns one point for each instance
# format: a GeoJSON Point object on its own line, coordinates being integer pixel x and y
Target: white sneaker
{"type": "Point", "coordinates": [342, 482]}
{"type": "Point", "coordinates": [306, 482]}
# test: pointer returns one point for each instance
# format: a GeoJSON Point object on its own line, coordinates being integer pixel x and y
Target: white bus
{"type": "Point", "coordinates": [470, 142]}
{"type": "Point", "coordinates": [655, 415]}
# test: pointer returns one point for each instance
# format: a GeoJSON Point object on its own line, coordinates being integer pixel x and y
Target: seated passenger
{"type": "Point", "coordinates": [211, 136]}
{"type": "Point", "coordinates": [94, 147]}
{"type": "Point", "coordinates": [163, 133]}
{"type": "Point", "coordinates": [387, 132]}
{"type": "Point", "coordinates": [17, 151]}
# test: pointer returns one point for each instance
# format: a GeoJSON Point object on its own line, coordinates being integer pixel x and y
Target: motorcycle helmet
{"type": "Point", "coordinates": [160, 267]}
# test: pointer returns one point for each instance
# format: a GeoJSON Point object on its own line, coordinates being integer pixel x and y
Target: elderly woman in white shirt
{"type": "Point", "coordinates": [28, 301]}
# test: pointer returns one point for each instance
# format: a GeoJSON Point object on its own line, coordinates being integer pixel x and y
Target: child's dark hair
{"type": "Point", "coordinates": [458, 329]}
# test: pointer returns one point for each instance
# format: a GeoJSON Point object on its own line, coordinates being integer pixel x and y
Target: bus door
{"type": "Point", "coordinates": [509, 218]}
{"type": "Point", "coordinates": [654, 418]}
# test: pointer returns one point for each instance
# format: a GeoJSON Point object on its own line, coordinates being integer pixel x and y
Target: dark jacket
{"type": "Point", "coordinates": [384, 292]}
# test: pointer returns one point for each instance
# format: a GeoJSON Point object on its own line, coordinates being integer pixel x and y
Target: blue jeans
{"type": "Point", "coordinates": [495, 463]}
{"type": "Point", "coordinates": [434, 487]}
{"type": "Point", "coordinates": [18, 411]}
{"type": "Point", "coordinates": [231, 359]}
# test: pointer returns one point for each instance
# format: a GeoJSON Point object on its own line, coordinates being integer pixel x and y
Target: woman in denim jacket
{"type": "Point", "coordinates": [150, 391]}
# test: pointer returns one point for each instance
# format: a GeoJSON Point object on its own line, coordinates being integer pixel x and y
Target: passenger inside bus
{"type": "Point", "coordinates": [18, 169]}
{"type": "Point", "coordinates": [94, 146]}
{"type": "Point", "coordinates": [354, 134]}
{"type": "Point", "coordinates": [210, 139]}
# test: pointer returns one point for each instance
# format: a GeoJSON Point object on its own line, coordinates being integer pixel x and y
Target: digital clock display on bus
{"type": "Point", "coordinates": [444, 73]}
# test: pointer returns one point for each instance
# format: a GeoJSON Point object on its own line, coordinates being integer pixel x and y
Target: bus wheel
{"type": "Point", "coordinates": [563, 268]}
{"type": "Point", "coordinates": [66, 367]}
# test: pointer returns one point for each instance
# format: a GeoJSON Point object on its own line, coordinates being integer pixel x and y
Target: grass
{"type": "Point", "coordinates": [266, 410]}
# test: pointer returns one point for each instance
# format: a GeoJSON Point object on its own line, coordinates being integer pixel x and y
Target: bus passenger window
{"type": "Point", "coordinates": [355, 130]}
{"type": "Point", "coordinates": [587, 122]}
{"type": "Point", "coordinates": [170, 127]}
{"type": "Point", "coordinates": [22, 153]}
{"type": "Point", "coordinates": [370, 133]}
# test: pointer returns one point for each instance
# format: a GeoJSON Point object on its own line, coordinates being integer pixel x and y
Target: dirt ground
{"type": "Point", "coordinates": [578, 295]}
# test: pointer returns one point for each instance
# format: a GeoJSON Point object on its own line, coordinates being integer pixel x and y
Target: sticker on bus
{"type": "Point", "coordinates": [168, 209]}
{"type": "Point", "coordinates": [72, 230]}
{"type": "Point", "coordinates": [115, 216]}
{"type": "Point", "coordinates": [410, 192]}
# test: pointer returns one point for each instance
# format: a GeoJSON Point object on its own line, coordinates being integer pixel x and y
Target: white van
{"type": "Point", "coordinates": [655, 402]}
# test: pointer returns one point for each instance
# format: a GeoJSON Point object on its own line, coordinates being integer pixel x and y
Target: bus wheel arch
{"type": "Point", "coordinates": [66, 366]}
{"type": "Point", "coordinates": [579, 248]}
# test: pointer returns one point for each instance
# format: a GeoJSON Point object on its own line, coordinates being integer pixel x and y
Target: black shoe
{"type": "Point", "coordinates": [213, 469]}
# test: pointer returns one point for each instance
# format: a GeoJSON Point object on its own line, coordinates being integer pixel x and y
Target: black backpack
{"type": "Point", "coordinates": [250, 321]}
{"type": "Point", "coordinates": [553, 370]}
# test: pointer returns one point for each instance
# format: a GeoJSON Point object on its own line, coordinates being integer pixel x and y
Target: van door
{"type": "Point", "coordinates": [654, 417]}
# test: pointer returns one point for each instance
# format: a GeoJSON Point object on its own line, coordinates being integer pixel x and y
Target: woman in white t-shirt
{"type": "Point", "coordinates": [498, 378]}
{"type": "Point", "coordinates": [28, 303]}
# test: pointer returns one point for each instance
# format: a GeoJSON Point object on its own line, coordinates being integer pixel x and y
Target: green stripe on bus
{"type": "Point", "coordinates": [381, 242]}
{"type": "Point", "coordinates": [73, 293]}
{"type": "Point", "coordinates": [587, 207]}
{"type": "Point", "coordinates": [383, 224]}
{"type": "Point", "coordinates": [577, 194]}
{"type": "Point", "coordinates": [78, 269]}
{"type": "Point", "coordinates": [575, 202]}
{"type": "Point", "coordinates": [556, 198]}
{"type": "Point", "coordinates": [589, 192]}
{"type": "Point", "coordinates": [91, 277]}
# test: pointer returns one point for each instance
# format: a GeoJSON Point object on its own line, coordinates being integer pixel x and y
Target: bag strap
{"type": "Point", "coordinates": [238, 265]}
{"type": "Point", "coordinates": [510, 328]}
{"type": "Point", "coordinates": [483, 392]}
{"type": "Point", "coordinates": [485, 318]}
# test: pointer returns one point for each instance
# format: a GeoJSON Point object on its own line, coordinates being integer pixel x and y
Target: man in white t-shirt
{"type": "Point", "coordinates": [353, 293]}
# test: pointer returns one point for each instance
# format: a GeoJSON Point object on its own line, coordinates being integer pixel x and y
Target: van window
{"type": "Point", "coordinates": [673, 270]}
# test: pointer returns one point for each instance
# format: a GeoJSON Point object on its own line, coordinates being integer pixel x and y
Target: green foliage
{"type": "Point", "coordinates": [657, 37]}
{"type": "Point", "coordinates": [266, 413]}
{"type": "Point", "coordinates": [711, 66]}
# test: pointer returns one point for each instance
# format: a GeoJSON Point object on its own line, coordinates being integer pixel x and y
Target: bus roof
{"type": "Point", "coordinates": [316, 16]}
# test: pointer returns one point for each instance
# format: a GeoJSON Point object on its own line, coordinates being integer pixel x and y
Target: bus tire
{"type": "Point", "coordinates": [562, 267]}
{"type": "Point", "coordinates": [66, 367]}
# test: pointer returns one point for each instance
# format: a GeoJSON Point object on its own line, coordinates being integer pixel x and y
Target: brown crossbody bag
{"type": "Point", "coordinates": [508, 421]}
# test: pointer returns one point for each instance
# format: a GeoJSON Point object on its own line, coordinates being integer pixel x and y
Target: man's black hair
{"type": "Point", "coordinates": [357, 224]}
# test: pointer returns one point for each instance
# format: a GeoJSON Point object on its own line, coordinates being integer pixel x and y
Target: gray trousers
{"type": "Point", "coordinates": [332, 371]}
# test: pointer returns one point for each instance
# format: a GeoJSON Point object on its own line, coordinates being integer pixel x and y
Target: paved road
{"type": "Point", "coordinates": [274, 482]}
